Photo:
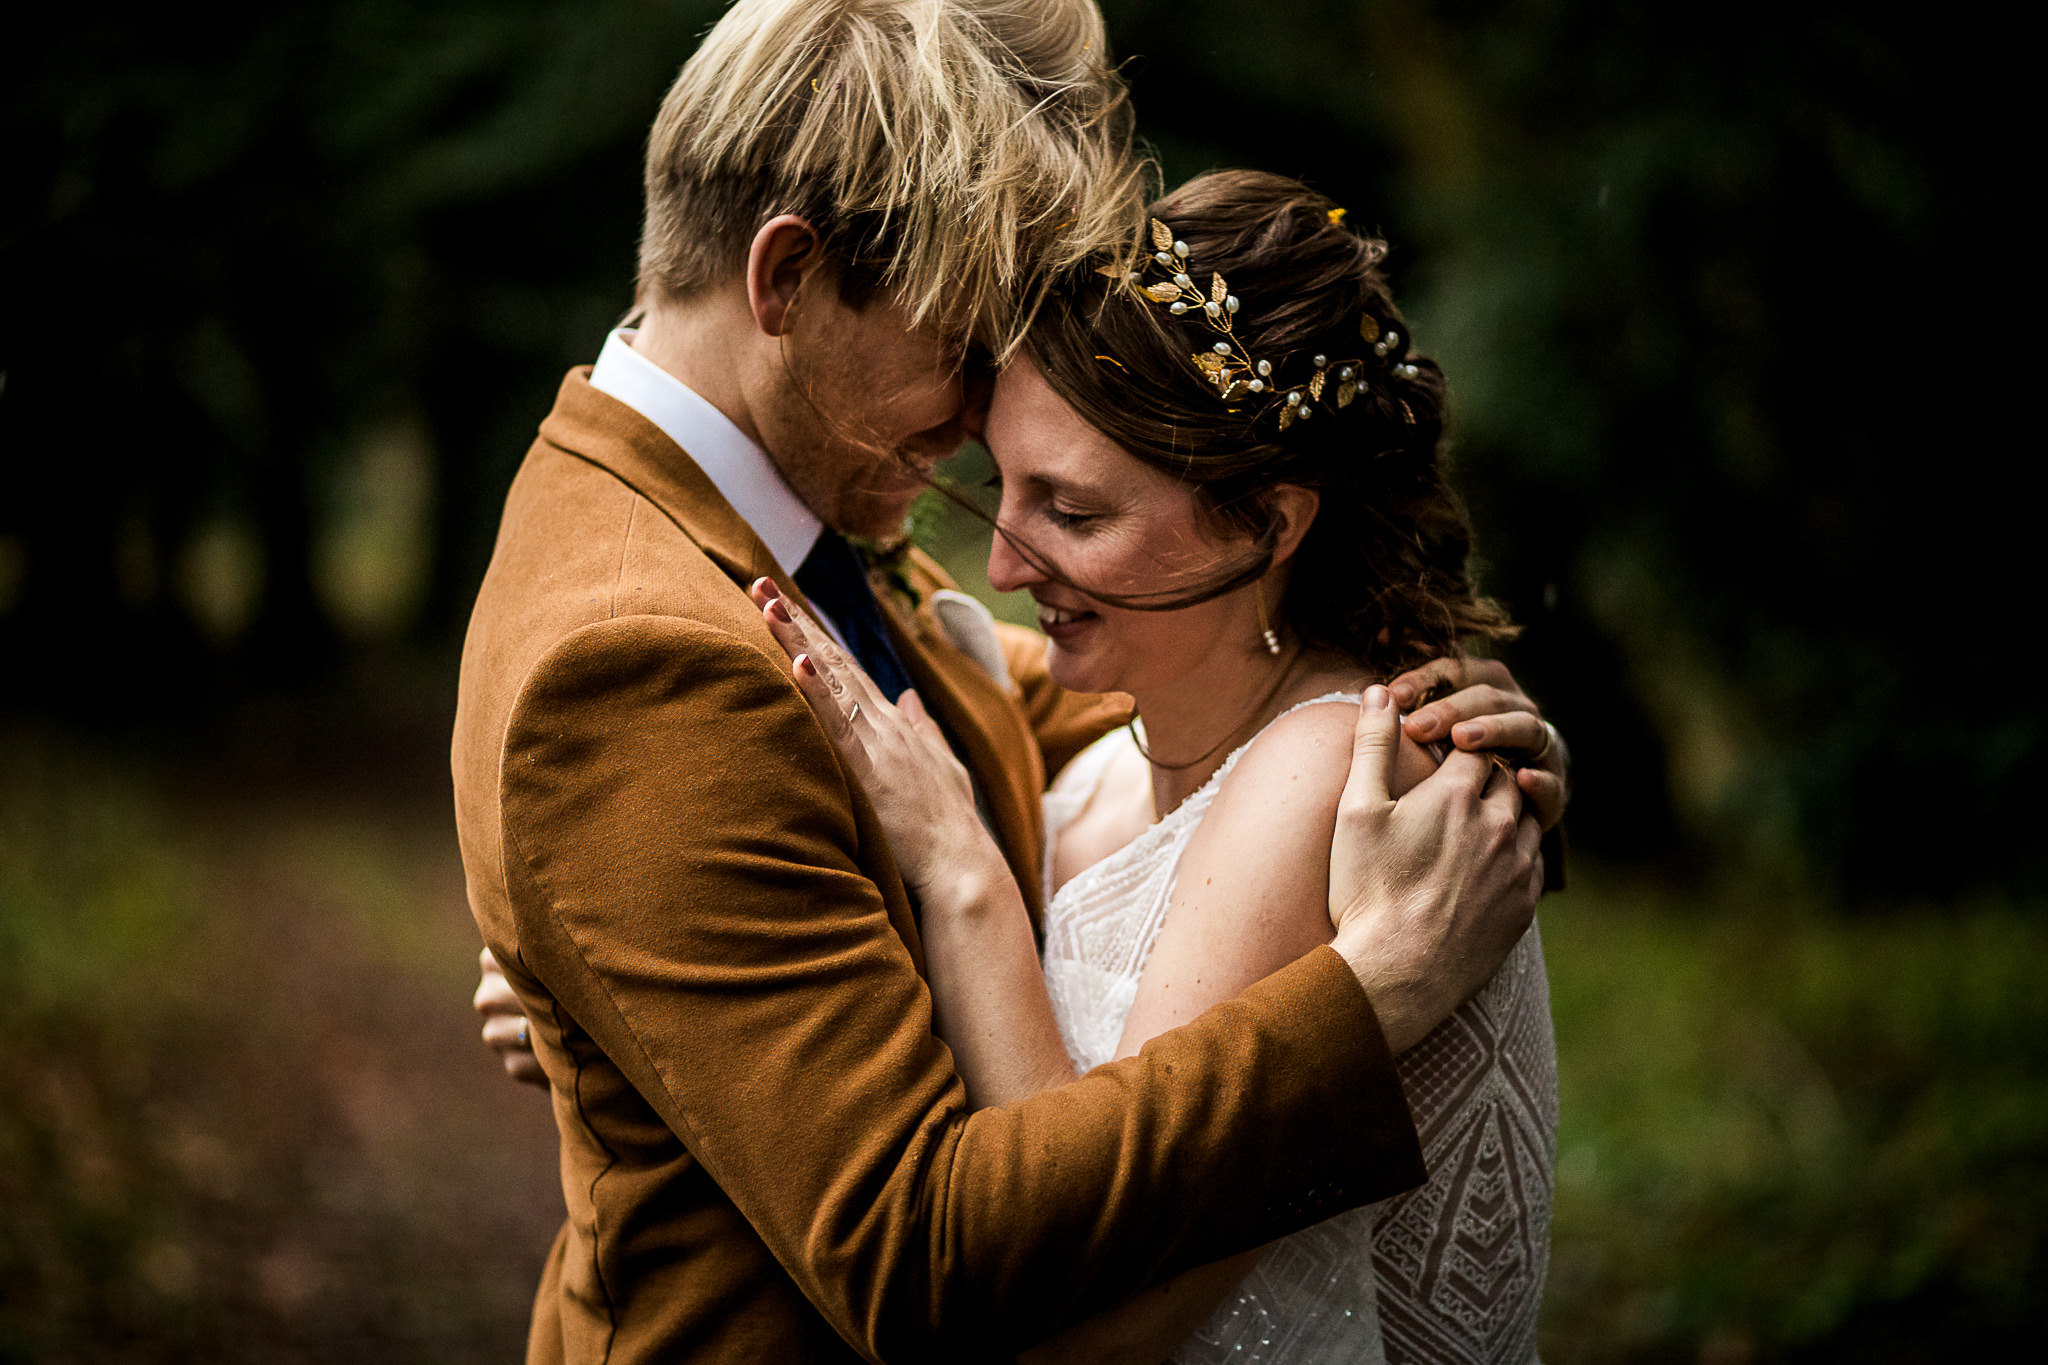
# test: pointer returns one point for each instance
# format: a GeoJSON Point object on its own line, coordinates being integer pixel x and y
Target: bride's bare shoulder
{"type": "Point", "coordinates": [1292, 773]}
{"type": "Point", "coordinates": [1309, 732]}
{"type": "Point", "coordinates": [1250, 891]}
{"type": "Point", "coordinates": [1304, 759]}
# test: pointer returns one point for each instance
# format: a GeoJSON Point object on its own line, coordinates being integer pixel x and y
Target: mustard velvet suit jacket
{"type": "Point", "coordinates": [766, 1154]}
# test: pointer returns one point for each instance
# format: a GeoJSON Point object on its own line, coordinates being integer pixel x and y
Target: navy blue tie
{"type": "Point", "coordinates": [832, 577]}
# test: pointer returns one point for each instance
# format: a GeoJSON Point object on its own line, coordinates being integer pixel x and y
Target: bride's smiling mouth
{"type": "Point", "coordinates": [1064, 623]}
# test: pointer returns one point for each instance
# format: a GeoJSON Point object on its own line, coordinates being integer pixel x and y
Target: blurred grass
{"type": "Point", "coordinates": [243, 1114]}
{"type": "Point", "coordinates": [1790, 1133]}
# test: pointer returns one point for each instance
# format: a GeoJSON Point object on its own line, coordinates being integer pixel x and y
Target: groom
{"type": "Point", "coordinates": [766, 1154]}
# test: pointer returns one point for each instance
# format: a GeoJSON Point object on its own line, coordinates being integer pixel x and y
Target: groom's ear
{"type": "Point", "coordinates": [784, 254]}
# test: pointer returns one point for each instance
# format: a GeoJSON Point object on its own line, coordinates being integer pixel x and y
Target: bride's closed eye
{"type": "Point", "coordinates": [1066, 519]}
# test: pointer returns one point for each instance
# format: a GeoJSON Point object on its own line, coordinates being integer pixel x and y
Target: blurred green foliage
{"type": "Point", "coordinates": [1791, 1136]}
{"type": "Point", "coordinates": [262, 263]}
{"type": "Point", "coordinates": [1729, 299]}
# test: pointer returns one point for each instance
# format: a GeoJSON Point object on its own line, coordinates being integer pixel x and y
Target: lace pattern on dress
{"type": "Point", "coordinates": [1448, 1274]}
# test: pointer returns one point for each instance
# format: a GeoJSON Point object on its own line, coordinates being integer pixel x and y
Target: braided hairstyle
{"type": "Point", "coordinates": [1381, 575]}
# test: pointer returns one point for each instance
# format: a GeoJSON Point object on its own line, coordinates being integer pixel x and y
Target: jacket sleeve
{"type": "Point", "coordinates": [688, 856]}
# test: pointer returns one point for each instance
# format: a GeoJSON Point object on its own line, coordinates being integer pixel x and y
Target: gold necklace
{"type": "Point", "coordinates": [1280, 676]}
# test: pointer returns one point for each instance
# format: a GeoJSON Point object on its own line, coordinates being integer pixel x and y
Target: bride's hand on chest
{"type": "Point", "coordinates": [894, 749]}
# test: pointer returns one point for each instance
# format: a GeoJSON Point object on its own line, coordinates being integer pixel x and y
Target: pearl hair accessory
{"type": "Point", "coordinates": [1233, 371]}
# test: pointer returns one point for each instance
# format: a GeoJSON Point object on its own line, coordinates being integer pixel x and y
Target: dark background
{"type": "Point", "coordinates": [1738, 309]}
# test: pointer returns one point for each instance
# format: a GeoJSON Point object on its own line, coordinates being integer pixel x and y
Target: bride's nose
{"type": "Point", "coordinates": [1009, 571]}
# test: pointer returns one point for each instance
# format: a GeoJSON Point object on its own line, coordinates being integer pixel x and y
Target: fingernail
{"type": "Point", "coordinates": [766, 585]}
{"type": "Point", "coordinates": [1376, 699]}
{"type": "Point", "coordinates": [779, 609]}
{"type": "Point", "coordinates": [802, 664]}
{"type": "Point", "coordinates": [1469, 734]}
{"type": "Point", "coordinates": [1419, 726]}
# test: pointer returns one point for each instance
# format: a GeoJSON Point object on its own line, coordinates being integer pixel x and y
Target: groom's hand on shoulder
{"type": "Point", "coordinates": [1477, 706]}
{"type": "Point", "coordinates": [1429, 893]}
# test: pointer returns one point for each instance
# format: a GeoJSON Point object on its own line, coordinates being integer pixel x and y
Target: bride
{"type": "Point", "coordinates": [1220, 476]}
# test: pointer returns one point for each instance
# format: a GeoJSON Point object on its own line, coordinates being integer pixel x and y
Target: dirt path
{"type": "Point", "coordinates": [252, 1119]}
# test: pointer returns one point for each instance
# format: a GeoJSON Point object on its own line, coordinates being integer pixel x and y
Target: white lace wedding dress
{"type": "Point", "coordinates": [1446, 1274]}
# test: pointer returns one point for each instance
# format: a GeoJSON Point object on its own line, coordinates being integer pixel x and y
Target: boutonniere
{"type": "Point", "coordinates": [888, 566]}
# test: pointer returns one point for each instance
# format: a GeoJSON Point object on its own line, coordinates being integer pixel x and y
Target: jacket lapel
{"type": "Point", "coordinates": [982, 715]}
{"type": "Point", "coordinates": [976, 709]}
{"type": "Point", "coordinates": [594, 426]}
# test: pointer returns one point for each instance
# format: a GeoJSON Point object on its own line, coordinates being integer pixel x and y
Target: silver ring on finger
{"type": "Point", "coordinates": [1549, 740]}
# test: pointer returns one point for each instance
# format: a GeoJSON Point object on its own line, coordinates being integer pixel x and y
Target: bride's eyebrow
{"type": "Point", "coordinates": [1073, 488]}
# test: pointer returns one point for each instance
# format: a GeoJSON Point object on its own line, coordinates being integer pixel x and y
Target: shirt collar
{"type": "Point", "coordinates": [739, 469]}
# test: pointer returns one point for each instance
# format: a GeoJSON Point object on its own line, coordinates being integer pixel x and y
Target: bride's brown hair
{"type": "Point", "coordinates": [1381, 575]}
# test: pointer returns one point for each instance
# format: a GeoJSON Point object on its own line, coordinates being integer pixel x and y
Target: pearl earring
{"type": "Point", "coordinates": [1265, 626]}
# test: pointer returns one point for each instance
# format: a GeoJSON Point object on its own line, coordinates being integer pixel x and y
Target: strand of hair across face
{"type": "Point", "coordinates": [1253, 567]}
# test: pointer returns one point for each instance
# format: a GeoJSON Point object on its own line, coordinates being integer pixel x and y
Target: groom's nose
{"type": "Point", "coordinates": [928, 448]}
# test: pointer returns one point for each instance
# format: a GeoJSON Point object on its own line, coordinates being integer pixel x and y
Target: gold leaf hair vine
{"type": "Point", "coordinates": [1232, 370]}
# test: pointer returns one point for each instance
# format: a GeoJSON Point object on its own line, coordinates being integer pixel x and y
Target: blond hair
{"type": "Point", "coordinates": [951, 152]}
